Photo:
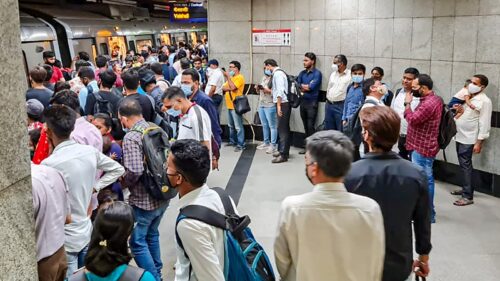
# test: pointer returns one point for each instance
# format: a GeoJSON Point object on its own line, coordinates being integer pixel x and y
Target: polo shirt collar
{"type": "Point", "coordinates": [381, 155]}
{"type": "Point", "coordinates": [330, 186]}
{"type": "Point", "coordinates": [64, 144]}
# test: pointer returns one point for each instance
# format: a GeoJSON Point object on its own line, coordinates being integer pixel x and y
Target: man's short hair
{"type": "Point", "coordinates": [60, 119]}
{"type": "Point", "coordinates": [192, 160]}
{"type": "Point", "coordinates": [342, 58]}
{"type": "Point", "coordinates": [101, 61]}
{"type": "Point", "coordinates": [146, 77]}
{"type": "Point", "coordinates": [358, 66]}
{"type": "Point", "coordinates": [48, 54]}
{"type": "Point", "coordinates": [131, 79]}
{"type": "Point", "coordinates": [67, 98]}
{"type": "Point", "coordinates": [425, 80]}
{"type": "Point", "coordinates": [84, 56]}
{"type": "Point", "coordinates": [38, 74]}
{"type": "Point", "coordinates": [367, 84]}
{"type": "Point", "coordinates": [483, 79]}
{"type": "Point", "coordinates": [271, 62]}
{"type": "Point", "coordinates": [61, 85]}
{"type": "Point", "coordinates": [193, 73]}
{"type": "Point", "coordinates": [237, 64]}
{"type": "Point", "coordinates": [49, 70]}
{"type": "Point", "coordinates": [197, 59]}
{"type": "Point", "coordinates": [156, 68]}
{"type": "Point", "coordinates": [162, 58]}
{"type": "Point", "coordinates": [185, 63]}
{"type": "Point", "coordinates": [332, 151]}
{"type": "Point", "coordinates": [383, 124]}
{"type": "Point", "coordinates": [412, 70]}
{"type": "Point", "coordinates": [81, 63]}
{"type": "Point", "coordinates": [173, 92]}
{"type": "Point", "coordinates": [311, 56]}
{"type": "Point", "coordinates": [86, 72]}
{"type": "Point", "coordinates": [108, 78]}
{"type": "Point", "coordinates": [130, 107]}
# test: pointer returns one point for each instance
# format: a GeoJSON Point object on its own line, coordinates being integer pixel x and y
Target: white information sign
{"type": "Point", "coordinates": [271, 37]}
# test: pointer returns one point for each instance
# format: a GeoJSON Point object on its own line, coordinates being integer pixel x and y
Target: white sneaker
{"type": "Point", "coordinates": [263, 146]}
{"type": "Point", "coordinates": [272, 149]}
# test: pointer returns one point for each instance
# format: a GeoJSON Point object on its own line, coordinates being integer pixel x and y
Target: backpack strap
{"type": "Point", "coordinates": [226, 200]}
{"type": "Point", "coordinates": [200, 121]}
{"type": "Point", "coordinates": [371, 102]}
{"type": "Point", "coordinates": [132, 273]}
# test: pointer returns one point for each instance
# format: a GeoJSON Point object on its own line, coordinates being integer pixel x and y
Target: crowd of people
{"type": "Point", "coordinates": [370, 164]}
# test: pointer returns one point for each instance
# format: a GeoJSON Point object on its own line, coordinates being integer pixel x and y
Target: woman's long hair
{"type": "Point", "coordinates": [108, 246]}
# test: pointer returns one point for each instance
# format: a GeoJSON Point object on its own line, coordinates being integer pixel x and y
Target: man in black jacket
{"type": "Point", "coordinates": [400, 188]}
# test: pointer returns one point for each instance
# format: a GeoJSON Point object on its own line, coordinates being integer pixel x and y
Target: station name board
{"type": "Point", "coordinates": [187, 12]}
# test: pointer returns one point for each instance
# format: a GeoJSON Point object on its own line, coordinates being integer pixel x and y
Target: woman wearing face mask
{"type": "Point", "coordinates": [267, 114]}
{"type": "Point", "coordinates": [108, 254]}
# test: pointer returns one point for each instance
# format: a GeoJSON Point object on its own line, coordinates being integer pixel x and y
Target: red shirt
{"type": "Point", "coordinates": [56, 75]}
{"type": "Point", "coordinates": [423, 125]}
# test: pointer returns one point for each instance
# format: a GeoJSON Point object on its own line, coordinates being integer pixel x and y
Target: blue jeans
{"type": "Point", "coordinates": [217, 99]}
{"type": "Point", "coordinates": [76, 260]}
{"type": "Point", "coordinates": [426, 164]}
{"type": "Point", "coordinates": [333, 115]}
{"type": "Point", "coordinates": [269, 120]}
{"type": "Point", "coordinates": [236, 131]}
{"type": "Point", "coordinates": [144, 242]}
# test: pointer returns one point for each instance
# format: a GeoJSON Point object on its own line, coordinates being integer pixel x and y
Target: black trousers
{"type": "Point", "coordinates": [464, 153]}
{"type": "Point", "coordinates": [308, 113]}
{"type": "Point", "coordinates": [284, 130]}
{"type": "Point", "coordinates": [403, 152]}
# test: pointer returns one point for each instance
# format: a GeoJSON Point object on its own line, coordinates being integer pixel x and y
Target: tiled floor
{"type": "Point", "coordinates": [466, 240]}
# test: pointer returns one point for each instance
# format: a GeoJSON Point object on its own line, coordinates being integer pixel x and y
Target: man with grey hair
{"type": "Point", "coordinates": [336, 229]}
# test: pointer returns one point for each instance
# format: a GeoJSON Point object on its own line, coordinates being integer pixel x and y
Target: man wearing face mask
{"type": "Point", "coordinates": [191, 88]}
{"type": "Point", "coordinates": [215, 81]}
{"type": "Point", "coordinates": [423, 129]}
{"type": "Point", "coordinates": [333, 226]}
{"type": "Point", "coordinates": [148, 211]}
{"type": "Point", "coordinates": [336, 93]}
{"type": "Point", "coordinates": [235, 83]}
{"type": "Point", "coordinates": [184, 64]}
{"type": "Point", "coordinates": [473, 128]}
{"type": "Point", "coordinates": [354, 98]}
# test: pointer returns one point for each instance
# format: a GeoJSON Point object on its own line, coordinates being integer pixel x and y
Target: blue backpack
{"type": "Point", "coordinates": [244, 258]}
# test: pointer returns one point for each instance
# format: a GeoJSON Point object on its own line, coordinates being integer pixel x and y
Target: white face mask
{"type": "Point", "coordinates": [473, 89]}
{"type": "Point", "coordinates": [335, 67]}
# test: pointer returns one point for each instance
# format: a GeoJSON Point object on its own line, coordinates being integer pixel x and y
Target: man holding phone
{"type": "Point", "coordinates": [309, 80]}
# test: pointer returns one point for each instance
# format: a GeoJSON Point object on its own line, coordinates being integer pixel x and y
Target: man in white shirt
{"type": "Point", "coordinates": [184, 64]}
{"type": "Point", "coordinates": [324, 234]}
{"type": "Point", "coordinates": [202, 254]}
{"type": "Point", "coordinates": [473, 128]}
{"type": "Point", "coordinates": [279, 90]}
{"type": "Point", "coordinates": [398, 105]}
{"type": "Point", "coordinates": [194, 121]}
{"type": "Point", "coordinates": [215, 82]}
{"type": "Point", "coordinates": [78, 164]}
{"type": "Point", "coordinates": [336, 93]}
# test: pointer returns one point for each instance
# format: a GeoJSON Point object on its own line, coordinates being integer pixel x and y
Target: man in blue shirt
{"type": "Point", "coordinates": [354, 98]}
{"type": "Point", "coordinates": [191, 87]}
{"type": "Point", "coordinates": [168, 71]}
{"type": "Point", "coordinates": [87, 76]}
{"type": "Point", "coordinates": [309, 80]}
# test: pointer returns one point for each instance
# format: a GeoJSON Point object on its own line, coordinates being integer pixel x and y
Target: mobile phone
{"type": "Point", "coordinates": [260, 87]}
{"type": "Point", "coordinates": [223, 69]}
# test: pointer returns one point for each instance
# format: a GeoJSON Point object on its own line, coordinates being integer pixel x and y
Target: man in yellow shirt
{"type": "Point", "coordinates": [235, 82]}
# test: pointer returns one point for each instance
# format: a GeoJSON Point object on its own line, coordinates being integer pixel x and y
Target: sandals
{"type": "Point", "coordinates": [457, 192]}
{"type": "Point", "coordinates": [463, 202]}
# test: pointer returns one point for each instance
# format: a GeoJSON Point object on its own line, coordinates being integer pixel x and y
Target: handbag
{"type": "Point", "coordinates": [241, 104]}
{"type": "Point", "coordinates": [256, 119]}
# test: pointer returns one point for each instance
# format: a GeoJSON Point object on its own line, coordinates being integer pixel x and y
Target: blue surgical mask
{"type": "Point", "coordinates": [267, 72]}
{"type": "Point", "coordinates": [174, 113]}
{"type": "Point", "coordinates": [124, 129]}
{"type": "Point", "coordinates": [357, 78]}
{"type": "Point", "coordinates": [187, 89]}
{"type": "Point", "coordinates": [231, 73]}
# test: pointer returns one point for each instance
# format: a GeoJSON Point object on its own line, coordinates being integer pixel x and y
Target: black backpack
{"type": "Point", "coordinates": [155, 145]}
{"type": "Point", "coordinates": [447, 127]}
{"type": "Point", "coordinates": [294, 95]}
{"type": "Point", "coordinates": [353, 127]}
{"type": "Point", "coordinates": [101, 105]}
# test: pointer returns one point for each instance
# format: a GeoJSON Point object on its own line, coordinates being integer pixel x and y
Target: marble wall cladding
{"type": "Point", "coordinates": [449, 39]}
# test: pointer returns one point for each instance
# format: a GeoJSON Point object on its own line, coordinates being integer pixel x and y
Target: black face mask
{"type": "Point", "coordinates": [416, 93]}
